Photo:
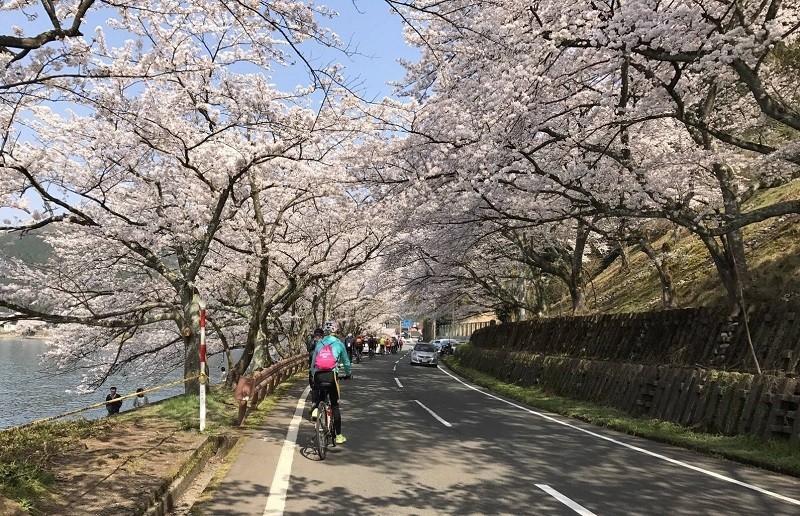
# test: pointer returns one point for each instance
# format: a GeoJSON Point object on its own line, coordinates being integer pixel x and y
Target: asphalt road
{"type": "Point", "coordinates": [421, 441]}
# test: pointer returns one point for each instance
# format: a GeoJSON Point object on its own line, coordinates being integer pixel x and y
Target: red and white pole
{"type": "Point", "coordinates": [203, 377]}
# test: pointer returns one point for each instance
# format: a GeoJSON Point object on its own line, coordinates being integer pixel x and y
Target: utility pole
{"type": "Point", "coordinates": [203, 378]}
{"type": "Point", "coordinates": [453, 320]}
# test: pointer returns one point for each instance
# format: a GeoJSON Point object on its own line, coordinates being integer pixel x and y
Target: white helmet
{"type": "Point", "coordinates": [330, 327]}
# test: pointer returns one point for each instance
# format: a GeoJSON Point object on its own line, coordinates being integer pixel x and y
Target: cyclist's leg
{"type": "Point", "coordinates": [315, 394]}
{"type": "Point", "coordinates": [333, 394]}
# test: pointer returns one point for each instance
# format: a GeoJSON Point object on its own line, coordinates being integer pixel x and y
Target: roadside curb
{"type": "Point", "coordinates": [163, 498]}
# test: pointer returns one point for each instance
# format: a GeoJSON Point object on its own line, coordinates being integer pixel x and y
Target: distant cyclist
{"type": "Point", "coordinates": [327, 380]}
{"type": "Point", "coordinates": [349, 344]}
{"type": "Point", "coordinates": [310, 345]}
{"type": "Point", "coordinates": [359, 348]}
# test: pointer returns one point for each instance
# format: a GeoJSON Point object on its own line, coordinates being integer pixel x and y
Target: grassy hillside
{"type": "Point", "coordinates": [28, 247]}
{"type": "Point", "coordinates": [773, 254]}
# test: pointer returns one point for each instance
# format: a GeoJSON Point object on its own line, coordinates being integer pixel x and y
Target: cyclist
{"type": "Point", "coordinates": [359, 347]}
{"type": "Point", "coordinates": [328, 381]}
{"type": "Point", "coordinates": [312, 341]}
{"type": "Point", "coordinates": [349, 343]}
{"type": "Point", "coordinates": [310, 345]}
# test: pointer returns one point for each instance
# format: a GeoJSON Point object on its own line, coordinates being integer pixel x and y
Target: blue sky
{"type": "Point", "coordinates": [368, 26]}
{"type": "Point", "coordinates": [377, 33]}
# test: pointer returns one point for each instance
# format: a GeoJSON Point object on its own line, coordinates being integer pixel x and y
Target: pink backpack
{"type": "Point", "coordinates": [325, 359]}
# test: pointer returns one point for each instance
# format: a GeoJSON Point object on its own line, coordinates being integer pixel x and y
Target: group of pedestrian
{"type": "Point", "coordinates": [385, 344]}
{"type": "Point", "coordinates": [114, 400]}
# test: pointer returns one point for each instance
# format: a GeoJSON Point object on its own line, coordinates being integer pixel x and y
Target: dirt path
{"type": "Point", "coordinates": [117, 472]}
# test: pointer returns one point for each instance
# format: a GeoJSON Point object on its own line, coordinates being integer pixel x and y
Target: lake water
{"type": "Point", "coordinates": [29, 395]}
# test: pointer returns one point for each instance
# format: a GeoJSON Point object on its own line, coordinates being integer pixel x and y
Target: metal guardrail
{"type": "Point", "coordinates": [251, 390]}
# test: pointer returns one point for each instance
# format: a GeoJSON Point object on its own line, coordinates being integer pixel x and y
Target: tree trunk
{"type": "Point", "coordinates": [668, 298]}
{"type": "Point", "coordinates": [191, 339]}
{"type": "Point", "coordinates": [540, 304]}
{"type": "Point", "coordinates": [729, 267]}
{"type": "Point", "coordinates": [576, 295]}
{"type": "Point", "coordinates": [623, 255]}
{"type": "Point", "coordinates": [576, 271]}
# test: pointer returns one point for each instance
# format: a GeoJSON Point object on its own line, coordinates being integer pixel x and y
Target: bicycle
{"type": "Point", "coordinates": [324, 431]}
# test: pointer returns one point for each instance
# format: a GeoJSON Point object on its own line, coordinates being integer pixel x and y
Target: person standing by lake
{"type": "Point", "coordinates": [141, 399]}
{"type": "Point", "coordinates": [111, 405]}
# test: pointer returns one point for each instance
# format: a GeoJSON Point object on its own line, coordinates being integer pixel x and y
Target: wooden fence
{"type": "Point", "coordinates": [251, 390]}
{"type": "Point", "coordinates": [689, 337]}
{"type": "Point", "coordinates": [693, 367]}
{"type": "Point", "coordinates": [764, 406]}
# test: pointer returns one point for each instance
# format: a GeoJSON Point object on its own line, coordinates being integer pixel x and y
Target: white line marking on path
{"type": "Point", "coordinates": [566, 501]}
{"type": "Point", "coordinates": [398, 382]}
{"type": "Point", "coordinates": [276, 502]}
{"type": "Point", "coordinates": [632, 447]}
{"type": "Point", "coordinates": [434, 414]}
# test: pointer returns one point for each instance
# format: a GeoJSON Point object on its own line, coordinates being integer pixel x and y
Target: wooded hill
{"type": "Point", "coordinates": [773, 259]}
{"type": "Point", "coordinates": [27, 247]}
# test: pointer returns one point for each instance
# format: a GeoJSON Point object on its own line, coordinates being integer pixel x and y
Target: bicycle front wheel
{"type": "Point", "coordinates": [321, 431]}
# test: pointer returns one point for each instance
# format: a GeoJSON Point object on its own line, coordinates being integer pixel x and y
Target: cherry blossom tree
{"type": "Point", "coordinates": [135, 180]}
{"type": "Point", "coordinates": [625, 110]}
{"type": "Point", "coordinates": [293, 248]}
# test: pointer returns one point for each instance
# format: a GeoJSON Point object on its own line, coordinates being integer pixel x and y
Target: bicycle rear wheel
{"type": "Point", "coordinates": [331, 427]}
{"type": "Point", "coordinates": [321, 430]}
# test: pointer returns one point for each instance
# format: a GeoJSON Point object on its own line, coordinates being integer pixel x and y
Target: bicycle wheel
{"type": "Point", "coordinates": [321, 430]}
{"type": "Point", "coordinates": [331, 427]}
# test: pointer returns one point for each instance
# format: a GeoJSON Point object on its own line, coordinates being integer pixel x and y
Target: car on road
{"type": "Point", "coordinates": [415, 336]}
{"type": "Point", "coordinates": [439, 342]}
{"type": "Point", "coordinates": [445, 346]}
{"type": "Point", "coordinates": [424, 354]}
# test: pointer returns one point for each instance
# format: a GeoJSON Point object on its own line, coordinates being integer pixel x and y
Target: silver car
{"type": "Point", "coordinates": [424, 354]}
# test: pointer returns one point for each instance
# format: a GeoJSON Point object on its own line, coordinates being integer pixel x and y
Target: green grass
{"type": "Point", "coordinates": [774, 455]}
{"type": "Point", "coordinates": [221, 409]}
{"type": "Point", "coordinates": [27, 455]}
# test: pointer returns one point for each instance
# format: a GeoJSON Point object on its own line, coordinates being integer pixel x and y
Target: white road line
{"type": "Point", "coordinates": [566, 501]}
{"type": "Point", "coordinates": [632, 447]}
{"type": "Point", "coordinates": [434, 414]}
{"type": "Point", "coordinates": [276, 502]}
{"type": "Point", "coordinates": [398, 382]}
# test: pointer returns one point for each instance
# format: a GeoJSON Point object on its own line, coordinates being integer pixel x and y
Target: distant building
{"type": "Point", "coordinates": [463, 328]}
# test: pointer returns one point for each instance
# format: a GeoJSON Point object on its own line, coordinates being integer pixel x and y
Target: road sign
{"type": "Point", "coordinates": [407, 323]}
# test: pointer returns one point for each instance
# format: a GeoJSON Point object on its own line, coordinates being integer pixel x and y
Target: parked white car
{"type": "Point", "coordinates": [439, 342]}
